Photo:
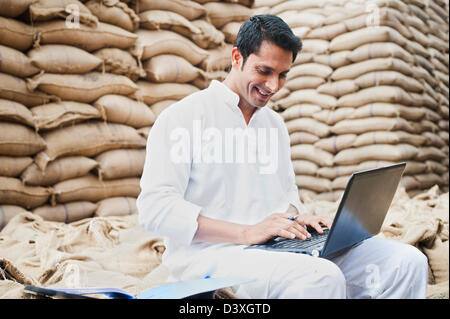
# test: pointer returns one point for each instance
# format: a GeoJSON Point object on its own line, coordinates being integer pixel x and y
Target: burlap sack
{"type": "Point", "coordinates": [87, 139]}
{"type": "Point", "coordinates": [308, 96]}
{"type": "Point", "coordinates": [308, 125]}
{"type": "Point", "coordinates": [90, 188]}
{"type": "Point", "coordinates": [167, 20]}
{"type": "Point", "coordinates": [409, 183]}
{"type": "Point", "coordinates": [331, 117]}
{"type": "Point", "coordinates": [334, 60]}
{"type": "Point", "coordinates": [433, 139]}
{"type": "Point", "coordinates": [383, 94]}
{"type": "Point", "coordinates": [438, 257]}
{"type": "Point", "coordinates": [13, 192]}
{"type": "Point", "coordinates": [336, 143]}
{"type": "Point", "coordinates": [114, 12]}
{"type": "Point", "coordinates": [58, 170]}
{"type": "Point", "coordinates": [19, 140]}
{"type": "Point", "coordinates": [121, 62]}
{"type": "Point", "coordinates": [281, 6]}
{"type": "Point", "coordinates": [116, 206]}
{"type": "Point", "coordinates": [302, 19]}
{"type": "Point", "coordinates": [15, 89]}
{"type": "Point", "coordinates": [170, 68]}
{"type": "Point", "coordinates": [430, 153]}
{"type": "Point", "coordinates": [219, 59]}
{"type": "Point", "coordinates": [301, 32]}
{"type": "Point", "coordinates": [188, 9]}
{"type": "Point", "coordinates": [300, 110]}
{"type": "Point", "coordinates": [429, 180]}
{"type": "Point", "coordinates": [414, 167]}
{"type": "Point", "coordinates": [359, 126]}
{"type": "Point", "coordinates": [154, 43]}
{"type": "Point", "coordinates": [15, 62]}
{"type": "Point", "coordinates": [313, 183]}
{"type": "Point", "coordinates": [44, 10]}
{"type": "Point", "coordinates": [310, 69]}
{"type": "Point", "coordinates": [155, 92]}
{"type": "Point", "coordinates": [16, 34]}
{"type": "Point", "coordinates": [388, 110]}
{"type": "Point", "coordinates": [209, 37]}
{"type": "Point", "coordinates": [230, 30]}
{"type": "Point", "coordinates": [340, 182]}
{"type": "Point", "coordinates": [416, 48]}
{"type": "Point", "coordinates": [66, 213]}
{"type": "Point", "coordinates": [339, 88]}
{"type": "Point", "coordinates": [312, 154]}
{"type": "Point", "coordinates": [123, 110]}
{"type": "Point", "coordinates": [11, 111]}
{"type": "Point", "coordinates": [220, 13]}
{"type": "Point", "coordinates": [84, 37]}
{"type": "Point", "coordinates": [160, 106]}
{"type": "Point", "coordinates": [282, 93]}
{"type": "Point", "coordinates": [54, 115]}
{"type": "Point", "coordinates": [302, 167]}
{"type": "Point", "coordinates": [327, 32]}
{"type": "Point", "coordinates": [383, 152]}
{"type": "Point", "coordinates": [83, 88]}
{"type": "Point", "coordinates": [304, 82]}
{"type": "Point", "coordinates": [120, 163]}
{"type": "Point", "coordinates": [315, 46]}
{"type": "Point", "coordinates": [380, 50]}
{"type": "Point", "coordinates": [14, 8]}
{"type": "Point", "coordinates": [7, 212]}
{"type": "Point", "coordinates": [54, 58]}
{"type": "Point", "coordinates": [13, 166]}
{"type": "Point", "coordinates": [383, 137]}
{"type": "Point", "coordinates": [333, 196]}
{"type": "Point", "coordinates": [334, 172]}
{"type": "Point", "coordinates": [303, 138]}
{"type": "Point", "coordinates": [424, 63]}
{"type": "Point", "coordinates": [144, 131]}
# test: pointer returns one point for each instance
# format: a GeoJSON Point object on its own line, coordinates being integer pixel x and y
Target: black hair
{"type": "Point", "coordinates": [266, 27]}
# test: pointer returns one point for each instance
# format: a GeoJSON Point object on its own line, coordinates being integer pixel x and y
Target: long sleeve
{"type": "Point", "coordinates": [161, 204]}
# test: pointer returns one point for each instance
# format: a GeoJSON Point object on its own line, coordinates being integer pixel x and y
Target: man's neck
{"type": "Point", "coordinates": [246, 109]}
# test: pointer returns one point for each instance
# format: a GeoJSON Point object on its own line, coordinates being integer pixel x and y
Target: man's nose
{"type": "Point", "coordinates": [272, 84]}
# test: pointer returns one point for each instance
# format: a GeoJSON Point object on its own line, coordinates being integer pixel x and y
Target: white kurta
{"type": "Point", "coordinates": [195, 165]}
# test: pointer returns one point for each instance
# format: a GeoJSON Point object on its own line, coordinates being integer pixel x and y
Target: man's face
{"type": "Point", "coordinates": [263, 74]}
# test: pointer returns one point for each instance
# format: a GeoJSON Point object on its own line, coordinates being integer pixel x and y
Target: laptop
{"type": "Point", "coordinates": [360, 215]}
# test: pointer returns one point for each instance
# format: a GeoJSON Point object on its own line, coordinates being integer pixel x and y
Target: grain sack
{"type": "Point", "coordinates": [354, 39]}
{"type": "Point", "coordinates": [340, 182]}
{"type": "Point", "coordinates": [116, 206]}
{"type": "Point", "coordinates": [301, 110]}
{"type": "Point", "coordinates": [313, 183]}
{"type": "Point", "coordinates": [230, 30]}
{"type": "Point", "coordinates": [16, 34]}
{"type": "Point", "coordinates": [355, 70]}
{"type": "Point", "coordinates": [44, 10]}
{"type": "Point", "coordinates": [8, 212]}
{"type": "Point", "coordinates": [14, 8]}
{"type": "Point", "coordinates": [123, 110]}
{"type": "Point", "coordinates": [282, 6]}
{"type": "Point", "coordinates": [188, 9]}
{"type": "Point", "coordinates": [383, 94]}
{"type": "Point", "coordinates": [66, 213]}
{"type": "Point", "coordinates": [84, 37]}
{"type": "Point", "coordinates": [310, 69]}
{"type": "Point", "coordinates": [87, 139]}
{"type": "Point", "coordinates": [308, 96]}
{"type": "Point", "coordinates": [336, 171]}
{"type": "Point", "coordinates": [301, 32]}
{"type": "Point", "coordinates": [435, 167]}
{"type": "Point", "coordinates": [380, 50]}
{"type": "Point", "coordinates": [382, 137]}
{"type": "Point", "coordinates": [154, 92]}
{"type": "Point", "coordinates": [414, 167]}
{"type": "Point", "coordinates": [308, 125]}
{"type": "Point", "coordinates": [359, 126]}
{"type": "Point", "coordinates": [202, 82]}
{"type": "Point", "coordinates": [302, 19]}
{"type": "Point", "coordinates": [430, 153]}
{"type": "Point", "coordinates": [338, 88]}
{"type": "Point", "coordinates": [83, 88]}
{"type": "Point", "coordinates": [167, 42]}
{"type": "Point", "coordinates": [11, 111]}
{"type": "Point", "coordinates": [312, 154]}
{"type": "Point", "coordinates": [144, 131]}
{"type": "Point", "coordinates": [160, 106]}
{"type": "Point", "coordinates": [416, 48]}
{"type": "Point", "coordinates": [303, 138]}
{"type": "Point", "coordinates": [388, 110]}
{"type": "Point", "coordinates": [114, 12]}
{"type": "Point", "coordinates": [58, 170]}
{"type": "Point", "coordinates": [331, 117]}
{"type": "Point", "coordinates": [15, 89]}
{"type": "Point", "coordinates": [209, 37]}
{"type": "Point", "coordinates": [409, 182]}
{"type": "Point", "coordinates": [433, 139]}
{"type": "Point", "coordinates": [219, 59]}
{"type": "Point", "coordinates": [327, 32]}
{"type": "Point", "coordinates": [334, 60]}
{"type": "Point", "coordinates": [54, 58]}
{"type": "Point", "coordinates": [89, 188]}
{"type": "Point", "coordinates": [336, 143]}
{"type": "Point", "coordinates": [15, 63]}
{"type": "Point", "coordinates": [53, 115]}
{"type": "Point", "coordinates": [282, 93]}
{"type": "Point", "coordinates": [389, 78]}
{"type": "Point", "coordinates": [13, 192]}
{"type": "Point", "coordinates": [221, 13]}
{"type": "Point", "coordinates": [315, 46]}
{"type": "Point", "coordinates": [167, 20]}
{"type": "Point", "coordinates": [13, 166]}
{"type": "Point", "coordinates": [170, 68]}
{"type": "Point", "coordinates": [119, 62]}
{"type": "Point", "coordinates": [120, 163]}
{"type": "Point", "coordinates": [429, 180]}
{"type": "Point", "coordinates": [363, 166]}
{"type": "Point", "coordinates": [438, 257]}
{"type": "Point", "coordinates": [302, 167]}
{"type": "Point", "coordinates": [304, 82]}
{"type": "Point", "coordinates": [333, 196]}
{"type": "Point", "coordinates": [19, 140]}
{"type": "Point", "coordinates": [383, 152]}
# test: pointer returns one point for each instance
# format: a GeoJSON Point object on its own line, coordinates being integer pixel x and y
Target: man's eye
{"type": "Point", "coordinates": [263, 72]}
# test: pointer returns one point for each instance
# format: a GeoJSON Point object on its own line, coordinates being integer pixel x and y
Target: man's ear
{"type": "Point", "coordinates": [236, 58]}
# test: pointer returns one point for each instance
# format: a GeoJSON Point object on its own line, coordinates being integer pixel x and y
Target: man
{"type": "Point", "coordinates": [211, 198]}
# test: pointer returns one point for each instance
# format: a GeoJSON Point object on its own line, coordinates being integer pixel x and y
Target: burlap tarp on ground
{"type": "Point", "coordinates": [116, 252]}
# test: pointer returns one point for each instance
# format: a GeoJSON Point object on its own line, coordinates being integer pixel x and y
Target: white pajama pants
{"type": "Point", "coordinates": [375, 268]}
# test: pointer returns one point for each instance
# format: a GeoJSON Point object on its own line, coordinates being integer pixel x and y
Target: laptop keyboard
{"type": "Point", "coordinates": [314, 240]}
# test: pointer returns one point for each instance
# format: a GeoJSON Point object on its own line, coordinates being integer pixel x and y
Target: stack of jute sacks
{"type": "Point", "coordinates": [82, 82]}
{"type": "Point", "coordinates": [370, 88]}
